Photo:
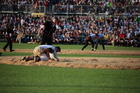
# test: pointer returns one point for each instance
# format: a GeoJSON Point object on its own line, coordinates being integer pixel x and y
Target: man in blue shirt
{"type": "Point", "coordinates": [98, 37]}
{"type": "Point", "coordinates": [89, 39]}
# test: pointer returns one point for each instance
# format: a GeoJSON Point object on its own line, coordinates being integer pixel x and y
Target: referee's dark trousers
{"type": "Point", "coordinates": [9, 43]}
{"type": "Point", "coordinates": [100, 41]}
{"type": "Point", "coordinates": [46, 39]}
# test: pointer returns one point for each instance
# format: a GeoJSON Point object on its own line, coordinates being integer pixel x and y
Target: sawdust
{"type": "Point", "coordinates": [81, 62]}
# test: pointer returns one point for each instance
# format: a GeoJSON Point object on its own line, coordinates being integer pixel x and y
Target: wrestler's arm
{"type": "Point", "coordinates": [53, 57]}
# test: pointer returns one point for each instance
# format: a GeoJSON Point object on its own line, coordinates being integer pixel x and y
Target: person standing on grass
{"type": "Point", "coordinates": [100, 39]}
{"type": "Point", "coordinates": [8, 36]}
{"type": "Point", "coordinates": [89, 39]}
{"type": "Point", "coordinates": [49, 29]}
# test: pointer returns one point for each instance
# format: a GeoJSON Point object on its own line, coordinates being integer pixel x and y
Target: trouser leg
{"type": "Point", "coordinates": [85, 45]}
{"type": "Point", "coordinates": [10, 45]}
{"type": "Point", "coordinates": [43, 40]}
{"type": "Point", "coordinates": [92, 43]}
{"type": "Point", "coordinates": [103, 46]}
{"type": "Point", "coordinates": [47, 40]}
{"type": "Point", "coordinates": [6, 44]}
{"type": "Point", "coordinates": [97, 42]}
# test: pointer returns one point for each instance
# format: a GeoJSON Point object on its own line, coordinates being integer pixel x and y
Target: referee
{"type": "Point", "coordinates": [49, 29]}
{"type": "Point", "coordinates": [9, 32]}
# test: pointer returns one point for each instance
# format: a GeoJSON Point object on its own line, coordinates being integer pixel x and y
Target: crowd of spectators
{"type": "Point", "coordinates": [100, 2]}
{"type": "Point", "coordinates": [23, 5]}
{"type": "Point", "coordinates": [119, 30]}
{"type": "Point", "coordinates": [74, 2]}
{"type": "Point", "coordinates": [73, 30]}
{"type": "Point", "coordinates": [115, 7]}
{"type": "Point", "coordinates": [98, 6]}
{"type": "Point", "coordinates": [52, 2]}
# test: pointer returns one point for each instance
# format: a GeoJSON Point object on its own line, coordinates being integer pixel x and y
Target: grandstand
{"type": "Point", "coordinates": [78, 19]}
{"type": "Point", "coordinates": [69, 7]}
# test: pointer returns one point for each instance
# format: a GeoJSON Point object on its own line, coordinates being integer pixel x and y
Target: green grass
{"type": "Point", "coordinates": [32, 46]}
{"type": "Point", "coordinates": [43, 79]}
{"type": "Point", "coordinates": [63, 47]}
{"type": "Point", "coordinates": [71, 55]}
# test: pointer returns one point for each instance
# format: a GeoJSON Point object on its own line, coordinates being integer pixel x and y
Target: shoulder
{"type": "Point", "coordinates": [92, 35]}
{"type": "Point", "coordinates": [101, 34]}
{"type": "Point", "coordinates": [47, 46]}
{"type": "Point", "coordinates": [47, 22]}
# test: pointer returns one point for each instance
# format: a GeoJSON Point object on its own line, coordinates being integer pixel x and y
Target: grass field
{"type": "Point", "coordinates": [32, 46]}
{"type": "Point", "coordinates": [44, 79]}
{"type": "Point", "coordinates": [77, 47]}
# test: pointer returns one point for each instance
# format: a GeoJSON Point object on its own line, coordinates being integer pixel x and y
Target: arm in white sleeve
{"type": "Point", "coordinates": [53, 56]}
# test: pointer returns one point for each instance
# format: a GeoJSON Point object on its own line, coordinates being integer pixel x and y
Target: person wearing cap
{"type": "Point", "coordinates": [49, 29]}
{"type": "Point", "coordinates": [8, 35]}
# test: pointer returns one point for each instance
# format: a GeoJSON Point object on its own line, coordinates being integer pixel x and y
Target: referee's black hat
{"type": "Point", "coordinates": [56, 18]}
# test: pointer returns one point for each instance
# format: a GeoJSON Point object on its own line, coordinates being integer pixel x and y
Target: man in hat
{"type": "Point", "coordinates": [9, 33]}
{"type": "Point", "coordinates": [49, 29]}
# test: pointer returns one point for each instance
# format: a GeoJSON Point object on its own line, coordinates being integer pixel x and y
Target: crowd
{"type": "Point", "coordinates": [74, 2]}
{"type": "Point", "coordinates": [103, 3]}
{"type": "Point", "coordinates": [119, 30]}
{"type": "Point", "coordinates": [25, 5]}
{"type": "Point", "coordinates": [115, 7]}
{"type": "Point", "coordinates": [109, 7]}
{"type": "Point", "coordinates": [52, 2]}
{"type": "Point", "coordinates": [73, 30]}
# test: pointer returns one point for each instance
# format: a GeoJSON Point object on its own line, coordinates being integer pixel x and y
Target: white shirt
{"type": "Point", "coordinates": [52, 55]}
{"type": "Point", "coordinates": [10, 34]}
{"type": "Point", "coordinates": [100, 36]}
{"type": "Point", "coordinates": [92, 36]}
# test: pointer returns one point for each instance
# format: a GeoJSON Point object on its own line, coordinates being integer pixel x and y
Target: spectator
{"type": "Point", "coordinates": [85, 24]}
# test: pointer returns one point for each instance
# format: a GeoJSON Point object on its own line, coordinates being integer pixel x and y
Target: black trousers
{"type": "Point", "coordinates": [100, 41]}
{"type": "Point", "coordinates": [46, 39]}
{"type": "Point", "coordinates": [9, 43]}
{"type": "Point", "coordinates": [87, 42]}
